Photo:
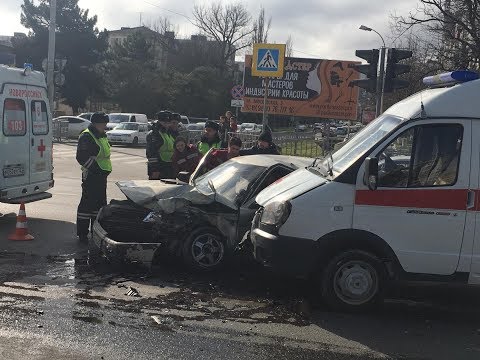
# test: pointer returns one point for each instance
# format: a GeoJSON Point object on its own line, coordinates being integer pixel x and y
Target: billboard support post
{"type": "Point", "coordinates": [265, 96]}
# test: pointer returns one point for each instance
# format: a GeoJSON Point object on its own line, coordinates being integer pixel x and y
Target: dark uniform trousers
{"type": "Point", "coordinates": [94, 196]}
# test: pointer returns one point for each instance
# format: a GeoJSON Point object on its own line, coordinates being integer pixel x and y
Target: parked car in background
{"type": "Point", "coordinates": [341, 131]}
{"type": "Point", "coordinates": [301, 128]}
{"type": "Point", "coordinates": [250, 127]}
{"type": "Point", "coordinates": [86, 115]}
{"type": "Point", "coordinates": [128, 133]}
{"type": "Point", "coordinates": [201, 221]}
{"type": "Point", "coordinates": [76, 125]}
{"type": "Point", "coordinates": [197, 126]}
{"type": "Point", "coordinates": [117, 118]}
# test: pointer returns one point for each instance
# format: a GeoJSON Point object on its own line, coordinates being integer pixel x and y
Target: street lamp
{"type": "Point", "coordinates": [366, 28]}
{"type": "Point", "coordinates": [381, 75]}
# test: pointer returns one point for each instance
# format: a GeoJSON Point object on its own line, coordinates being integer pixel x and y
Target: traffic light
{"type": "Point", "coordinates": [370, 69]}
{"type": "Point", "coordinates": [394, 69]}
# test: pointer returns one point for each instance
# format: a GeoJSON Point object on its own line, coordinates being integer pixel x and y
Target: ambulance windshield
{"type": "Point", "coordinates": [362, 142]}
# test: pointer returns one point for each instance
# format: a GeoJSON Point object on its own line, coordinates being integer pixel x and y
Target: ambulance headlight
{"type": "Point", "coordinates": [276, 213]}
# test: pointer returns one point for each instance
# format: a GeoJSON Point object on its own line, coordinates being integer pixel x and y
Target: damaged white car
{"type": "Point", "coordinates": [201, 221]}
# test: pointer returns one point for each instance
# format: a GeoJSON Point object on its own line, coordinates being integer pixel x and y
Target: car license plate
{"type": "Point", "coordinates": [13, 171]}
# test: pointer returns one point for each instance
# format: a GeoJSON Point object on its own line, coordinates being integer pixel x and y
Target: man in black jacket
{"type": "Point", "coordinates": [93, 154]}
{"type": "Point", "coordinates": [159, 151]}
{"type": "Point", "coordinates": [264, 145]}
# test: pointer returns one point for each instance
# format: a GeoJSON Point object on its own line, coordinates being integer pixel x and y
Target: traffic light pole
{"type": "Point", "coordinates": [380, 82]}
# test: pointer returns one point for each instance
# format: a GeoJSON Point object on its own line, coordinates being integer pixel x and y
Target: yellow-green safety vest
{"type": "Point", "coordinates": [103, 156]}
{"type": "Point", "coordinates": [203, 147]}
{"type": "Point", "coordinates": [166, 150]}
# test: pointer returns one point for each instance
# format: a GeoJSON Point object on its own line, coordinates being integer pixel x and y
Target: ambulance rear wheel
{"type": "Point", "coordinates": [353, 281]}
{"type": "Point", "coordinates": [135, 141]}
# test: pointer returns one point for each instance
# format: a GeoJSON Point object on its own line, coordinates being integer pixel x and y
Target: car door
{"type": "Point", "coordinates": [40, 139]}
{"type": "Point", "coordinates": [249, 206]}
{"type": "Point", "coordinates": [15, 138]}
{"type": "Point", "coordinates": [420, 205]}
{"type": "Point", "coordinates": [142, 134]}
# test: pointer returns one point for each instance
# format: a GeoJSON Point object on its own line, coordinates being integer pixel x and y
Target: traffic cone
{"type": "Point", "coordinates": [21, 230]}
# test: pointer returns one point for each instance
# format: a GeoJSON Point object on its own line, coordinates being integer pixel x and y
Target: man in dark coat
{"type": "Point", "coordinates": [264, 145]}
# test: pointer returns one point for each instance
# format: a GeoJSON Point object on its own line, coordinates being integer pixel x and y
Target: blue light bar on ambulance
{"type": "Point", "coordinates": [27, 68]}
{"type": "Point", "coordinates": [450, 78]}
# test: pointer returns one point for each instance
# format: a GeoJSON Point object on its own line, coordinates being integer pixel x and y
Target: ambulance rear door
{"type": "Point", "coordinates": [40, 136]}
{"type": "Point", "coordinates": [14, 144]}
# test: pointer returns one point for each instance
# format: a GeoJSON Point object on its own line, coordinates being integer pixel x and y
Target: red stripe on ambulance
{"type": "Point", "coordinates": [448, 199]}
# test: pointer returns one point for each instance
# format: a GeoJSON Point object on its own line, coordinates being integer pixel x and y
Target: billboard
{"type": "Point", "coordinates": [309, 87]}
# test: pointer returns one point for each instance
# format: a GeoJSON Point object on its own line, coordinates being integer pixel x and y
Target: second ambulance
{"type": "Point", "coordinates": [26, 170]}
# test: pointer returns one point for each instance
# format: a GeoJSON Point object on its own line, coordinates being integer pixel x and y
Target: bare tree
{"type": "Point", "coordinates": [289, 47]}
{"type": "Point", "coordinates": [261, 28]}
{"type": "Point", "coordinates": [453, 27]}
{"type": "Point", "coordinates": [229, 25]}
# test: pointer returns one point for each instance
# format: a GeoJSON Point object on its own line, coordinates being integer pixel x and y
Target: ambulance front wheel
{"type": "Point", "coordinates": [353, 281]}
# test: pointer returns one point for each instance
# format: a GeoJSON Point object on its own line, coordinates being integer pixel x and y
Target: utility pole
{"type": "Point", "coordinates": [51, 53]}
{"type": "Point", "coordinates": [380, 82]}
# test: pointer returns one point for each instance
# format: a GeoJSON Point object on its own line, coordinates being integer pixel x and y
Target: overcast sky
{"type": "Point", "coordinates": [326, 29]}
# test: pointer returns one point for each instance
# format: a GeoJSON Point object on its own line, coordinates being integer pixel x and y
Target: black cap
{"type": "Point", "coordinates": [99, 118]}
{"type": "Point", "coordinates": [164, 115]}
{"type": "Point", "coordinates": [176, 116]}
{"type": "Point", "coordinates": [265, 136]}
{"type": "Point", "coordinates": [212, 125]}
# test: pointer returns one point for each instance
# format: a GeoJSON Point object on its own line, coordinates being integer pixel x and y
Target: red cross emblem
{"type": "Point", "coordinates": [41, 148]}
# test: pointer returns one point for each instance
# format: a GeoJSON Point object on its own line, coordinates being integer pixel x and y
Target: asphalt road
{"type": "Point", "coordinates": [59, 302]}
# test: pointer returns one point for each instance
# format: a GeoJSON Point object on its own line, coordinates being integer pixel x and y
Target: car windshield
{"type": "Point", "coordinates": [117, 118]}
{"type": "Point", "coordinates": [127, 126]}
{"type": "Point", "coordinates": [362, 142]}
{"type": "Point", "coordinates": [230, 180]}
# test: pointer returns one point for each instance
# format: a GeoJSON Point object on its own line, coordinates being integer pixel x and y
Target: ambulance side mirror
{"type": "Point", "coordinates": [371, 173]}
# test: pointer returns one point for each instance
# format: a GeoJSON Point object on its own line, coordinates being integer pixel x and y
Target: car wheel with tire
{"type": "Point", "coordinates": [204, 249]}
{"type": "Point", "coordinates": [135, 141]}
{"type": "Point", "coordinates": [353, 281]}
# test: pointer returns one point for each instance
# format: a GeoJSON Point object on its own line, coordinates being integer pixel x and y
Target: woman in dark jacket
{"type": "Point", "coordinates": [185, 157]}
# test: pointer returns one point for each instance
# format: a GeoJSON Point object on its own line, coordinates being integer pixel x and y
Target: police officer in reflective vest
{"type": "Point", "coordinates": [93, 154]}
{"type": "Point", "coordinates": [210, 138]}
{"type": "Point", "coordinates": [160, 148]}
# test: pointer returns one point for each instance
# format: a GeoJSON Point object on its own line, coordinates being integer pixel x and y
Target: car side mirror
{"type": "Point", "coordinates": [183, 176]}
{"type": "Point", "coordinates": [371, 173]}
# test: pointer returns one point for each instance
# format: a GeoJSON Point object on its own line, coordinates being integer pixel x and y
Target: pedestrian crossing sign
{"type": "Point", "coordinates": [268, 60]}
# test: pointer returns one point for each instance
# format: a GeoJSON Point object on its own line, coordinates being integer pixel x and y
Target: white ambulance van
{"type": "Point", "coordinates": [26, 171]}
{"type": "Point", "coordinates": [399, 201]}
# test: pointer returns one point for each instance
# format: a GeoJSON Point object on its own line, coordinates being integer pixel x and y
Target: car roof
{"type": "Point", "coordinates": [70, 117]}
{"type": "Point", "coordinates": [270, 160]}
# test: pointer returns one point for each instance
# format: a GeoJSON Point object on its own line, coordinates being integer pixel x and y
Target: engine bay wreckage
{"type": "Point", "coordinates": [201, 221]}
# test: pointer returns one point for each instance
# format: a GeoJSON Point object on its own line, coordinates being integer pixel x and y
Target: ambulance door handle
{"type": "Point", "coordinates": [470, 199]}
{"type": "Point", "coordinates": [33, 144]}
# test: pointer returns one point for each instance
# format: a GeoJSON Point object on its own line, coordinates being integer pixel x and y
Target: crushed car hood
{"type": "Point", "coordinates": [165, 196]}
{"type": "Point", "coordinates": [290, 186]}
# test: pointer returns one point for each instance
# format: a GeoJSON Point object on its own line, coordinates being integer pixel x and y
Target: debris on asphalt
{"type": "Point", "coordinates": [132, 292]}
{"type": "Point", "coordinates": [40, 326]}
{"type": "Point", "coordinates": [39, 312]}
